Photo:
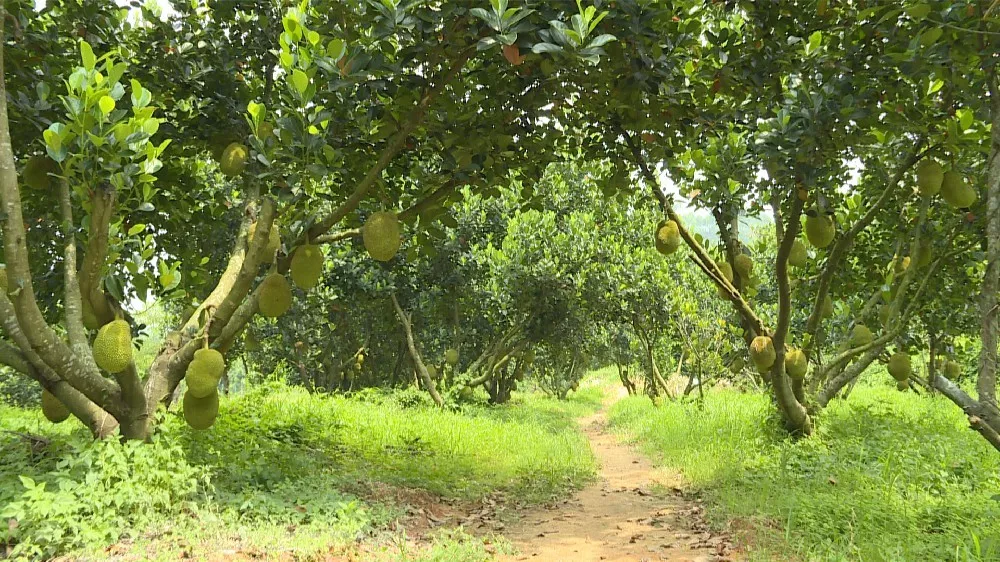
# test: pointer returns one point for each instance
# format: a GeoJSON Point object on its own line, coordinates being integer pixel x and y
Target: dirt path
{"type": "Point", "coordinates": [619, 517]}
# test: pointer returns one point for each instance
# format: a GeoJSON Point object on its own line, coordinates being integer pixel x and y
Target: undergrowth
{"type": "Point", "coordinates": [888, 476]}
{"type": "Point", "coordinates": [281, 469]}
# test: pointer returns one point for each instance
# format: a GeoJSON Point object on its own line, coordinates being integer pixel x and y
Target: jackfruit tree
{"type": "Point", "coordinates": [263, 117]}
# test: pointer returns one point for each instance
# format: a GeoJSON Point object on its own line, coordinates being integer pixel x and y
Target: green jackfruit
{"type": "Point", "coordinates": [204, 372]}
{"type": "Point", "coordinates": [929, 177]}
{"type": "Point", "coordinates": [200, 413]}
{"type": "Point", "coordinates": [861, 335]}
{"type": "Point", "coordinates": [54, 410]}
{"type": "Point", "coordinates": [466, 393]}
{"type": "Point", "coordinates": [796, 364]}
{"type": "Point", "coordinates": [737, 365]}
{"type": "Point", "coordinates": [234, 159]}
{"type": "Point", "coordinates": [903, 385]}
{"type": "Point", "coordinates": [275, 297]}
{"type": "Point", "coordinates": [820, 230]}
{"type": "Point", "coordinates": [827, 309]}
{"type": "Point", "coordinates": [798, 256]}
{"type": "Point", "coordinates": [36, 172]}
{"type": "Point", "coordinates": [381, 235]}
{"type": "Point", "coordinates": [451, 357]}
{"type": "Point", "coordinates": [956, 191]}
{"type": "Point", "coordinates": [952, 370]}
{"type": "Point", "coordinates": [727, 270]}
{"type": "Point", "coordinates": [899, 366]}
{"type": "Point", "coordinates": [668, 237]}
{"type": "Point", "coordinates": [762, 353]}
{"type": "Point", "coordinates": [113, 346]}
{"type": "Point", "coordinates": [307, 266]}
{"type": "Point", "coordinates": [743, 265]}
{"type": "Point", "coordinates": [273, 239]}
{"type": "Point", "coordinates": [924, 253]}
{"type": "Point", "coordinates": [432, 371]}
{"type": "Point", "coordinates": [883, 314]}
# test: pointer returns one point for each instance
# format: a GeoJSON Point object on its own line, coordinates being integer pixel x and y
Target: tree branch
{"type": "Point", "coordinates": [418, 362]}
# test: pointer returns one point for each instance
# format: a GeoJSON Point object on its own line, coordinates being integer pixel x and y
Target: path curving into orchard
{"type": "Point", "coordinates": [632, 513]}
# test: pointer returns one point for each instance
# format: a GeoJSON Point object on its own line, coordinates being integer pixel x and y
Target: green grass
{"type": "Point", "coordinates": [888, 475]}
{"type": "Point", "coordinates": [282, 469]}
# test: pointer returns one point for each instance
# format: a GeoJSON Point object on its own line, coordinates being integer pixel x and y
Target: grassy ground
{"type": "Point", "coordinates": [889, 475]}
{"type": "Point", "coordinates": [282, 471]}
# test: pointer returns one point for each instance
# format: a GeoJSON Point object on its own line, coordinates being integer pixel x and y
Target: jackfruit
{"type": "Point", "coordinates": [762, 353]}
{"type": "Point", "coordinates": [465, 393]}
{"type": "Point", "coordinates": [113, 346]}
{"type": "Point", "coordinates": [826, 310]}
{"type": "Point", "coordinates": [924, 253]}
{"type": "Point", "coordinates": [727, 270]}
{"type": "Point", "coordinates": [796, 364]}
{"type": "Point", "coordinates": [820, 230]}
{"type": "Point", "coordinates": [956, 191]}
{"type": "Point", "coordinates": [899, 366]}
{"type": "Point", "coordinates": [204, 372]}
{"type": "Point", "coordinates": [90, 319]}
{"type": "Point", "coordinates": [432, 371]}
{"type": "Point", "coordinates": [200, 413]}
{"type": "Point", "coordinates": [234, 159]}
{"type": "Point", "coordinates": [883, 314]}
{"type": "Point", "coordinates": [952, 370]}
{"type": "Point", "coordinates": [307, 266]}
{"type": "Point", "coordinates": [36, 172]}
{"type": "Point", "coordinates": [798, 256]}
{"type": "Point", "coordinates": [451, 357]}
{"type": "Point", "coordinates": [273, 239]}
{"type": "Point", "coordinates": [55, 411]}
{"type": "Point", "coordinates": [929, 177]}
{"type": "Point", "coordinates": [737, 365]}
{"type": "Point", "coordinates": [861, 335]}
{"type": "Point", "coordinates": [903, 385]}
{"type": "Point", "coordinates": [668, 237]}
{"type": "Point", "coordinates": [275, 297]}
{"type": "Point", "coordinates": [743, 265]}
{"type": "Point", "coordinates": [380, 235]}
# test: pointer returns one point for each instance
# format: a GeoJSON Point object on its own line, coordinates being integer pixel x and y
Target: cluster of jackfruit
{"type": "Point", "coordinates": [113, 346]}
{"type": "Point", "coordinates": [952, 185]}
{"type": "Point", "coordinates": [381, 235]}
{"type": "Point", "coordinates": [900, 369]}
{"type": "Point", "coordinates": [307, 266]}
{"type": "Point", "coordinates": [201, 401]}
{"type": "Point", "coordinates": [275, 296]}
{"type": "Point", "coordinates": [668, 237]}
{"type": "Point", "coordinates": [53, 409]}
{"type": "Point", "coordinates": [204, 372]}
{"type": "Point", "coordinates": [820, 230]}
{"type": "Point", "coordinates": [762, 353]}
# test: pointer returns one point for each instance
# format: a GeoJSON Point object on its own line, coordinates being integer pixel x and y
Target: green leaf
{"type": "Point", "coordinates": [136, 229]}
{"type": "Point", "coordinates": [300, 81]}
{"type": "Point", "coordinates": [87, 54]}
{"type": "Point", "coordinates": [107, 104]}
{"type": "Point", "coordinates": [815, 40]}
{"type": "Point", "coordinates": [918, 11]}
{"type": "Point", "coordinates": [965, 117]}
{"type": "Point", "coordinates": [935, 86]}
{"type": "Point", "coordinates": [255, 110]}
{"type": "Point", "coordinates": [931, 36]}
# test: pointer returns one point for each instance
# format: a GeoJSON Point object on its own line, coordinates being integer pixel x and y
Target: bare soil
{"type": "Point", "coordinates": [632, 513]}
